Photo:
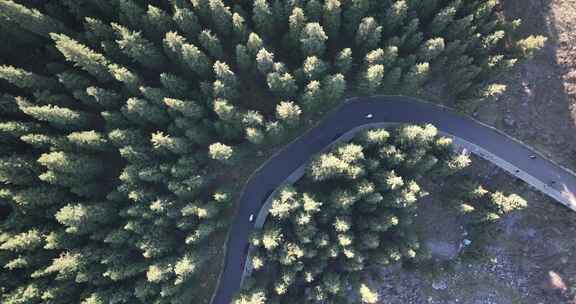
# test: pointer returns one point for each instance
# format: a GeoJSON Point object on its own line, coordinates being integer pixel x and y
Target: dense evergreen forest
{"type": "Point", "coordinates": [353, 211]}
{"type": "Point", "coordinates": [121, 119]}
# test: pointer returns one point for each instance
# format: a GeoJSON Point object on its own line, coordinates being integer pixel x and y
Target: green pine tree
{"type": "Point", "coordinates": [313, 40]}
{"type": "Point", "coordinates": [31, 19]}
{"type": "Point", "coordinates": [332, 18]}
{"type": "Point", "coordinates": [25, 79]}
{"type": "Point", "coordinates": [263, 18]}
{"type": "Point", "coordinates": [90, 61]}
{"type": "Point", "coordinates": [138, 48]}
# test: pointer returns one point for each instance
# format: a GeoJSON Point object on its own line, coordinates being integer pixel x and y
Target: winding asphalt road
{"type": "Point", "coordinates": [504, 151]}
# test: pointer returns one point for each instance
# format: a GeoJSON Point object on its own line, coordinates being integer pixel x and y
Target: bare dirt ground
{"type": "Point", "coordinates": [540, 104]}
{"type": "Point", "coordinates": [528, 257]}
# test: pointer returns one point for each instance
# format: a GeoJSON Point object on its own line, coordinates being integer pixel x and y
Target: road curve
{"type": "Point", "coordinates": [552, 179]}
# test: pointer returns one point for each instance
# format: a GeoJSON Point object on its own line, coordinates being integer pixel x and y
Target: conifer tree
{"type": "Point", "coordinates": [314, 68]}
{"type": "Point", "coordinates": [185, 268]}
{"type": "Point", "coordinates": [202, 7]}
{"type": "Point", "coordinates": [491, 41]}
{"type": "Point", "coordinates": [131, 14]}
{"type": "Point", "coordinates": [395, 16]}
{"type": "Point", "coordinates": [89, 141]}
{"type": "Point", "coordinates": [369, 34]}
{"type": "Point", "coordinates": [372, 79]}
{"type": "Point", "coordinates": [80, 166]}
{"type": "Point", "coordinates": [127, 137]}
{"type": "Point", "coordinates": [96, 30]}
{"type": "Point", "coordinates": [24, 79]}
{"type": "Point", "coordinates": [411, 37]}
{"type": "Point", "coordinates": [254, 43]}
{"type": "Point", "coordinates": [128, 78]}
{"type": "Point", "coordinates": [254, 135]}
{"type": "Point", "coordinates": [211, 43]}
{"type": "Point", "coordinates": [334, 87]}
{"type": "Point", "coordinates": [255, 297]}
{"type": "Point", "coordinates": [264, 61]}
{"type": "Point", "coordinates": [332, 18]}
{"type": "Point", "coordinates": [427, 8]}
{"type": "Point", "coordinates": [139, 110]}
{"type": "Point", "coordinates": [221, 16]}
{"type": "Point", "coordinates": [344, 60]}
{"type": "Point", "coordinates": [390, 55]}
{"type": "Point", "coordinates": [353, 14]}
{"type": "Point", "coordinates": [288, 112]}
{"type": "Point", "coordinates": [367, 296]}
{"type": "Point", "coordinates": [161, 141]}
{"type": "Point", "coordinates": [313, 40]}
{"type": "Point", "coordinates": [281, 11]}
{"type": "Point", "coordinates": [23, 241]}
{"type": "Point", "coordinates": [530, 45]}
{"type": "Point", "coordinates": [18, 170]}
{"type": "Point", "coordinates": [442, 20]}
{"type": "Point", "coordinates": [483, 95]}
{"type": "Point", "coordinates": [252, 118]}
{"type": "Point", "coordinates": [461, 73]}
{"type": "Point", "coordinates": [187, 21]}
{"type": "Point", "coordinates": [314, 10]}
{"type": "Point", "coordinates": [187, 54]}
{"type": "Point", "coordinates": [415, 76]}
{"type": "Point", "coordinates": [155, 95]}
{"type": "Point", "coordinates": [59, 117]}
{"type": "Point", "coordinates": [73, 80]}
{"type": "Point", "coordinates": [172, 44]}
{"type": "Point", "coordinates": [84, 218]}
{"type": "Point", "coordinates": [157, 22]}
{"type": "Point", "coordinates": [239, 27]}
{"type": "Point", "coordinates": [460, 28]}
{"type": "Point", "coordinates": [224, 110]}
{"type": "Point", "coordinates": [313, 96]}
{"type": "Point", "coordinates": [138, 48]}
{"type": "Point", "coordinates": [175, 85]}
{"type": "Point", "coordinates": [31, 19]}
{"type": "Point", "coordinates": [223, 72]}
{"type": "Point", "coordinates": [283, 85]}
{"type": "Point", "coordinates": [90, 61]}
{"type": "Point", "coordinates": [189, 109]}
{"type": "Point", "coordinates": [221, 152]}
{"type": "Point", "coordinates": [296, 23]}
{"type": "Point", "coordinates": [374, 57]}
{"type": "Point", "coordinates": [15, 129]}
{"type": "Point", "coordinates": [431, 49]}
{"type": "Point", "coordinates": [263, 18]}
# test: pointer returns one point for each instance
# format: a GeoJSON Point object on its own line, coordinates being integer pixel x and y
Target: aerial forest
{"type": "Point", "coordinates": [120, 121]}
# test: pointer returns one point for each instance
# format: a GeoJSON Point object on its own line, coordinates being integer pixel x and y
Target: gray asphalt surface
{"type": "Point", "coordinates": [350, 115]}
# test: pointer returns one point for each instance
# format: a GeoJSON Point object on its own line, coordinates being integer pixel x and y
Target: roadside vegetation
{"type": "Point", "coordinates": [353, 212]}
{"type": "Point", "coordinates": [122, 121]}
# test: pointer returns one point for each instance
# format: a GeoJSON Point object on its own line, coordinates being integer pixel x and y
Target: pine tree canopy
{"type": "Point", "coordinates": [128, 127]}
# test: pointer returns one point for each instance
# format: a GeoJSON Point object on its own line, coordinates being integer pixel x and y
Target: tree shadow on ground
{"type": "Point", "coordinates": [538, 107]}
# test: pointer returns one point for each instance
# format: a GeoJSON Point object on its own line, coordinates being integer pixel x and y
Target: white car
{"type": "Point", "coordinates": [251, 218]}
